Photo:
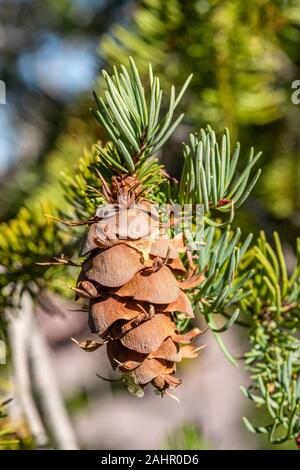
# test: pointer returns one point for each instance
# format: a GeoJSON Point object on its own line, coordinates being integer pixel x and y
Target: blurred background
{"type": "Point", "coordinates": [245, 57]}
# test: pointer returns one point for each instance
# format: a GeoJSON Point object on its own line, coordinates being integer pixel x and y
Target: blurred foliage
{"type": "Point", "coordinates": [25, 240]}
{"type": "Point", "coordinates": [273, 305]}
{"type": "Point", "coordinates": [39, 106]}
{"type": "Point", "coordinates": [39, 182]}
{"type": "Point", "coordinates": [228, 45]}
{"type": "Point", "coordinates": [13, 436]}
{"type": "Point", "coordinates": [77, 402]}
{"type": "Point", "coordinates": [187, 437]}
{"type": "Point", "coordinates": [244, 56]}
{"type": "Point", "coordinates": [32, 236]}
{"type": "Point", "coordinates": [82, 186]}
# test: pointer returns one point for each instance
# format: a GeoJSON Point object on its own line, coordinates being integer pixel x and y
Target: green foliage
{"type": "Point", "coordinates": [187, 437]}
{"type": "Point", "coordinates": [274, 359]}
{"type": "Point", "coordinates": [234, 47]}
{"type": "Point", "coordinates": [223, 288]}
{"type": "Point", "coordinates": [32, 236]}
{"type": "Point", "coordinates": [82, 186]}
{"type": "Point", "coordinates": [25, 240]}
{"type": "Point", "coordinates": [10, 438]}
{"type": "Point", "coordinates": [133, 121]}
{"type": "Point", "coordinates": [244, 56]}
{"type": "Point", "coordinates": [237, 279]}
{"type": "Point", "coordinates": [43, 184]}
{"type": "Point", "coordinates": [209, 175]}
{"type": "Point", "coordinates": [84, 183]}
{"type": "Point", "coordinates": [280, 185]}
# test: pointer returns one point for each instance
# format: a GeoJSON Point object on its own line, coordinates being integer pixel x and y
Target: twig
{"type": "Point", "coordinates": [46, 384]}
{"type": "Point", "coordinates": [19, 333]}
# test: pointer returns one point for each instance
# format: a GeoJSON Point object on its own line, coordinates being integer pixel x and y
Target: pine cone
{"type": "Point", "coordinates": [129, 279]}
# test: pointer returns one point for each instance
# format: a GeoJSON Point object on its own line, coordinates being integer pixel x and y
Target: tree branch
{"type": "Point", "coordinates": [19, 333]}
{"type": "Point", "coordinates": [46, 384]}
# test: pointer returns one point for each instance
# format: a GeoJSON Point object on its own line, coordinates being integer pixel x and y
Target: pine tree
{"type": "Point", "coordinates": [130, 280]}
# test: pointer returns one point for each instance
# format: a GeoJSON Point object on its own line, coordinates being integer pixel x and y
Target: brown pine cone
{"type": "Point", "coordinates": [129, 279]}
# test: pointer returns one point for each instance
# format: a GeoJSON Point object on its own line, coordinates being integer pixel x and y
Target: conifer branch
{"type": "Point", "coordinates": [210, 175]}
{"type": "Point", "coordinates": [133, 120]}
{"type": "Point", "coordinates": [274, 359]}
{"type": "Point", "coordinates": [233, 278]}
